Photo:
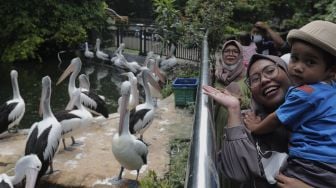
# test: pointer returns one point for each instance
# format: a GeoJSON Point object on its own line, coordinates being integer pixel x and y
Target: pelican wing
{"type": "Point", "coordinates": [4, 120]}
{"type": "Point", "coordinates": [64, 114]}
{"type": "Point", "coordinates": [5, 181]}
{"type": "Point", "coordinates": [94, 100]}
{"type": "Point", "coordinates": [136, 119]}
{"type": "Point", "coordinates": [142, 150]}
{"type": "Point", "coordinates": [18, 111]}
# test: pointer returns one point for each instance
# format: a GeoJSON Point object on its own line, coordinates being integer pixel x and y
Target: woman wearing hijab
{"type": "Point", "coordinates": [230, 74]}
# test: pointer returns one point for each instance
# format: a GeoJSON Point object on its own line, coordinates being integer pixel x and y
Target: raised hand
{"type": "Point", "coordinates": [223, 97]}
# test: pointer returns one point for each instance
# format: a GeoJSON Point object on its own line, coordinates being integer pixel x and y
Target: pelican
{"type": "Point", "coordinates": [129, 152]}
{"type": "Point", "coordinates": [101, 73]}
{"type": "Point", "coordinates": [134, 97]}
{"type": "Point", "coordinates": [120, 61]}
{"type": "Point", "coordinates": [100, 54]}
{"type": "Point", "coordinates": [88, 54]}
{"type": "Point", "coordinates": [44, 136]}
{"type": "Point", "coordinates": [84, 84]}
{"type": "Point", "coordinates": [89, 99]}
{"type": "Point", "coordinates": [142, 116]}
{"type": "Point", "coordinates": [26, 167]}
{"type": "Point", "coordinates": [13, 110]}
{"type": "Point", "coordinates": [72, 120]}
{"type": "Point", "coordinates": [170, 60]}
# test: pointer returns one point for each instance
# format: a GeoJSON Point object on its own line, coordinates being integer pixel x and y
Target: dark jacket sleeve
{"type": "Point", "coordinates": [238, 157]}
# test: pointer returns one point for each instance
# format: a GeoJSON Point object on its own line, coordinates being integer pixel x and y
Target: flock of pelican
{"type": "Point", "coordinates": [44, 136]}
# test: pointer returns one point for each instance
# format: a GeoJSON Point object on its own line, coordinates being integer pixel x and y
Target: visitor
{"type": "Point", "coordinates": [309, 111]}
{"type": "Point", "coordinates": [239, 155]}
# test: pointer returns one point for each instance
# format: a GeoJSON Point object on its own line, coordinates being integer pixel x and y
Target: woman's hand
{"type": "Point", "coordinates": [287, 182]}
{"type": "Point", "coordinates": [222, 97]}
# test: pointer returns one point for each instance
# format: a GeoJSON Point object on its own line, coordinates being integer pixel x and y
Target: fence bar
{"type": "Point", "coordinates": [201, 169]}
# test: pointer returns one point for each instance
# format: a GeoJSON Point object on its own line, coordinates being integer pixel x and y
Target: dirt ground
{"type": "Point", "coordinates": [92, 164]}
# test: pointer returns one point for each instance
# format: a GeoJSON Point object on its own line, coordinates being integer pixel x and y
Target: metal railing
{"type": "Point", "coordinates": [201, 169]}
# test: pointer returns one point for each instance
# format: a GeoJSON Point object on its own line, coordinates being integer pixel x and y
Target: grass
{"type": "Point", "coordinates": [175, 178]}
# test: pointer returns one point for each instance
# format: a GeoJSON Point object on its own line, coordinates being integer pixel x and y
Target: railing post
{"type": "Point", "coordinates": [201, 170]}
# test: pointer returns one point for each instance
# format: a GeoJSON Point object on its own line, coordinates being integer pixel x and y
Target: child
{"type": "Point", "coordinates": [309, 110]}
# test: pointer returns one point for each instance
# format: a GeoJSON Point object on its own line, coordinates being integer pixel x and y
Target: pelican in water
{"type": "Point", "coordinates": [134, 97]}
{"type": "Point", "coordinates": [88, 54]}
{"type": "Point", "coordinates": [13, 110]}
{"type": "Point", "coordinates": [88, 98]}
{"type": "Point", "coordinates": [142, 116]}
{"type": "Point", "coordinates": [73, 120]}
{"type": "Point", "coordinates": [130, 152]}
{"type": "Point", "coordinates": [26, 167]}
{"type": "Point", "coordinates": [100, 54]}
{"type": "Point", "coordinates": [44, 136]}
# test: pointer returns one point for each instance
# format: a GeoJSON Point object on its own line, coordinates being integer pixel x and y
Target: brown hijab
{"type": "Point", "coordinates": [229, 73]}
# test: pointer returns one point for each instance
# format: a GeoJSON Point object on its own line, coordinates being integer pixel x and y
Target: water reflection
{"type": "Point", "coordinates": [29, 79]}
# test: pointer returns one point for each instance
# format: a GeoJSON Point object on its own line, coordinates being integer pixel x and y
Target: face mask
{"type": "Point", "coordinates": [257, 38]}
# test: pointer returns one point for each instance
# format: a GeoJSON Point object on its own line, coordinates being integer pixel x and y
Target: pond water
{"type": "Point", "coordinates": [105, 80]}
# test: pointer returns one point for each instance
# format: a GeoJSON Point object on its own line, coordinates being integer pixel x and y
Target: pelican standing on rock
{"type": "Point", "coordinates": [89, 99]}
{"type": "Point", "coordinates": [72, 120]}
{"type": "Point", "coordinates": [26, 167]}
{"type": "Point", "coordinates": [142, 116]}
{"type": "Point", "coordinates": [44, 136]}
{"type": "Point", "coordinates": [13, 110]}
{"type": "Point", "coordinates": [130, 152]}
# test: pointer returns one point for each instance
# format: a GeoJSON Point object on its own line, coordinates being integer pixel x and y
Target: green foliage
{"type": "Point", "coordinates": [31, 28]}
{"type": "Point", "coordinates": [178, 162]}
{"type": "Point", "coordinates": [168, 21]}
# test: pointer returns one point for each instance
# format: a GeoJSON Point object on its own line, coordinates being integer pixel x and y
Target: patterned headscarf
{"type": "Point", "coordinates": [228, 73]}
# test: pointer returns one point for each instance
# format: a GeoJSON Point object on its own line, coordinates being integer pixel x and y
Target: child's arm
{"type": "Point", "coordinates": [258, 126]}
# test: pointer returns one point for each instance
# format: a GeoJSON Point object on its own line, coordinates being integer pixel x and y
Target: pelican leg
{"type": "Point", "coordinates": [74, 143]}
{"type": "Point", "coordinates": [65, 147]}
{"type": "Point", "coordinates": [137, 175]}
{"type": "Point", "coordinates": [51, 168]}
{"type": "Point", "coordinates": [141, 139]}
{"type": "Point", "coordinates": [120, 173]}
{"type": "Point", "coordinates": [14, 129]}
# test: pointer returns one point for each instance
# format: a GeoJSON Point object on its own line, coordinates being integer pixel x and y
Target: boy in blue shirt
{"type": "Point", "coordinates": [309, 110]}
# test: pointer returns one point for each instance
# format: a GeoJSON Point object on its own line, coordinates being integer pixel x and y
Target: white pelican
{"type": "Point", "coordinates": [100, 54]}
{"type": "Point", "coordinates": [44, 136]}
{"type": "Point", "coordinates": [84, 84]}
{"type": "Point", "coordinates": [120, 61]}
{"type": "Point", "coordinates": [72, 120]}
{"type": "Point", "coordinates": [26, 167]}
{"type": "Point", "coordinates": [134, 97]}
{"type": "Point", "coordinates": [170, 61]}
{"type": "Point", "coordinates": [13, 110]}
{"type": "Point", "coordinates": [89, 99]}
{"type": "Point", "coordinates": [142, 116]}
{"type": "Point", "coordinates": [88, 54]}
{"type": "Point", "coordinates": [130, 152]}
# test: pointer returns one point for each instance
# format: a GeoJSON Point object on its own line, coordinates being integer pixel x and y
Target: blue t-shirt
{"type": "Point", "coordinates": [309, 112]}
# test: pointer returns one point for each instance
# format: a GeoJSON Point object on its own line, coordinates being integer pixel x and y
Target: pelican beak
{"type": "Point", "coordinates": [65, 74]}
{"type": "Point", "coordinates": [123, 110]}
{"type": "Point", "coordinates": [124, 74]}
{"type": "Point", "coordinates": [31, 176]}
{"type": "Point", "coordinates": [151, 80]}
{"type": "Point", "coordinates": [158, 73]}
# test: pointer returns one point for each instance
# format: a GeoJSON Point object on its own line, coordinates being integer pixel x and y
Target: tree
{"type": "Point", "coordinates": [31, 28]}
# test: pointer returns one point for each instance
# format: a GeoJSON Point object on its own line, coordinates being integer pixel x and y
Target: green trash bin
{"type": "Point", "coordinates": [185, 91]}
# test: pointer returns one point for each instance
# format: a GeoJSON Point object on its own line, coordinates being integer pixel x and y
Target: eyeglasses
{"type": "Point", "coordinates": [269, 72]}
{"type": "Point", "coordinates": [231, 51]}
